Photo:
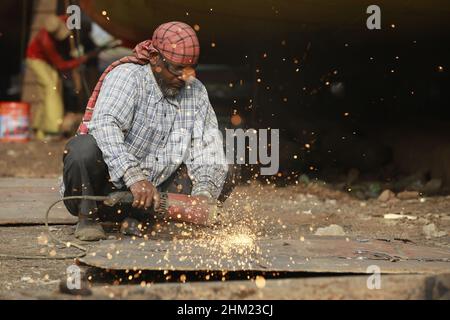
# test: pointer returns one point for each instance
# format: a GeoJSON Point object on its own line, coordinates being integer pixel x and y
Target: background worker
{"type": "Point", "coordinates": [44, 59]}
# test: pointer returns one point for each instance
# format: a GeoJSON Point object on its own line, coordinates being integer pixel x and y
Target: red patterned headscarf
{"type": "Point", "coordinates": [176, 41]}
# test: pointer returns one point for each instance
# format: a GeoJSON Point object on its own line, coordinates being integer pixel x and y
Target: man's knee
{"type": "Point", "coordinates": [82, 149]}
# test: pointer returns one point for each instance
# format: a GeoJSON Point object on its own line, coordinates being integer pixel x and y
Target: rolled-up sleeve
{"type": "Point", "coordinates": [207, 165]}
{"type": "Point", "coordinates": [112, 117]}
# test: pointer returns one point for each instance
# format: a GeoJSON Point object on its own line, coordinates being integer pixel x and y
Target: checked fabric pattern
{"type": "Point", "coordinates": [144, 135]}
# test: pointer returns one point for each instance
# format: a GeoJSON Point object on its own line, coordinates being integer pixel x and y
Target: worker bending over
{"type": "Point", "coordinates": [148, 127]}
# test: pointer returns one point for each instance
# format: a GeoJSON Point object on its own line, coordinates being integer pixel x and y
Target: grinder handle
{"type": "Point", "coordinates": [119, 197]}
{"type": "Point", "coordinates": [128, 198]}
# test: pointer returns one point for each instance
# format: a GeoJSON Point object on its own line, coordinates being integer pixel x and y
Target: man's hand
{"type": "Point", "coordinates": [144, 194]}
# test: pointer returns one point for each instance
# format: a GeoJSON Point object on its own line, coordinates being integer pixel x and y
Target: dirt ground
{"type": "Point", "coordinates": [290, 212]}
{"type": "Point", "coordinates": [34, 159]}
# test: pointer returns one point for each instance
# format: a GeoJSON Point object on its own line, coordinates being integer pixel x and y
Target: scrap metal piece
{"type": "Point", "coordinates": [315, 254]}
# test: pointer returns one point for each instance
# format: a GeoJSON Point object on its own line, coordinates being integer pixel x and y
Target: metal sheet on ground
{"type": "Point", "coordinates": [314, 254]}
{"type": "Point", "coordinates": [25, 201]}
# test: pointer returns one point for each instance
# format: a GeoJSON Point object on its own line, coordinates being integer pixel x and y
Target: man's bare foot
{"type": "Point", "coordinates": [89, 230]}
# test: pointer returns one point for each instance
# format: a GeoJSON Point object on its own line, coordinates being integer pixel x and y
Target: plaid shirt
{"type": "Point", "coordinates": [144, 135]}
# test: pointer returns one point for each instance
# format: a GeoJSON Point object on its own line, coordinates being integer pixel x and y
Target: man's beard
{"type": "Point", "coordinates": [167, 91]}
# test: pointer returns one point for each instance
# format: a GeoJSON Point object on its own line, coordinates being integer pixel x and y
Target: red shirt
{"type": "Point", "coordinates": [43, 47]}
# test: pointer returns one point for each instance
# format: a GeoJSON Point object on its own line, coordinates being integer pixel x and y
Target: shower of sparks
{"type": "Point", "coordinates": [231, 240]}
{"type": "Point", "coordinates": [231, 245]}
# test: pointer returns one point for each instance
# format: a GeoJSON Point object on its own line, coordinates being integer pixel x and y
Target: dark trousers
{"type": "Point", "coordinates": [86, 173]}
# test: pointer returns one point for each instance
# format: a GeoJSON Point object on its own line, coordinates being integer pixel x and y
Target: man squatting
{"type": "Point", "coordinates": [130, 135]}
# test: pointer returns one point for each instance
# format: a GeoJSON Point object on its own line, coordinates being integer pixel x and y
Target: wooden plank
{"type": "Point", "coordinates": [25, 201]}
{"type": "Point", "coordinates": [315, 254]}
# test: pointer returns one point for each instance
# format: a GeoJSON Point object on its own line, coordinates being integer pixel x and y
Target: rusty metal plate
{"type": "Point", "coordinates": [314, 254]}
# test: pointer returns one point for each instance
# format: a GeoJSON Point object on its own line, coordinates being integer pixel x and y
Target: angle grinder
{"type": "Point", "coordinates": [174, 206]}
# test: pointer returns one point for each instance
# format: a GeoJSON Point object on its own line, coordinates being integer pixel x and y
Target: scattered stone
{"type": "Point", "coordinates": [432, 187]}
{"type": "Point", "coordinates": [431, 231]}
{"type": "Point", "coordinates": [408, 195]}
{"type": "Point", "coordinates": [386, 195]}
{"type": "Point", "coordinates": [42, 239]}
{"type": "Point", "coordinates": [395, 216]}
{"type": "Point", "coordinates": [332, 230]}
{"type": "Point", "coordinates": [364, 217]}
{"type": "Point", "coordinates": [423, 220]}
{"type": "Point", "coordinates": [28, 280]}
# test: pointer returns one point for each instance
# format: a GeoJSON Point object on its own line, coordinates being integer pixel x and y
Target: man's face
{"type": "Point", "coordinates": [170, 77]}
